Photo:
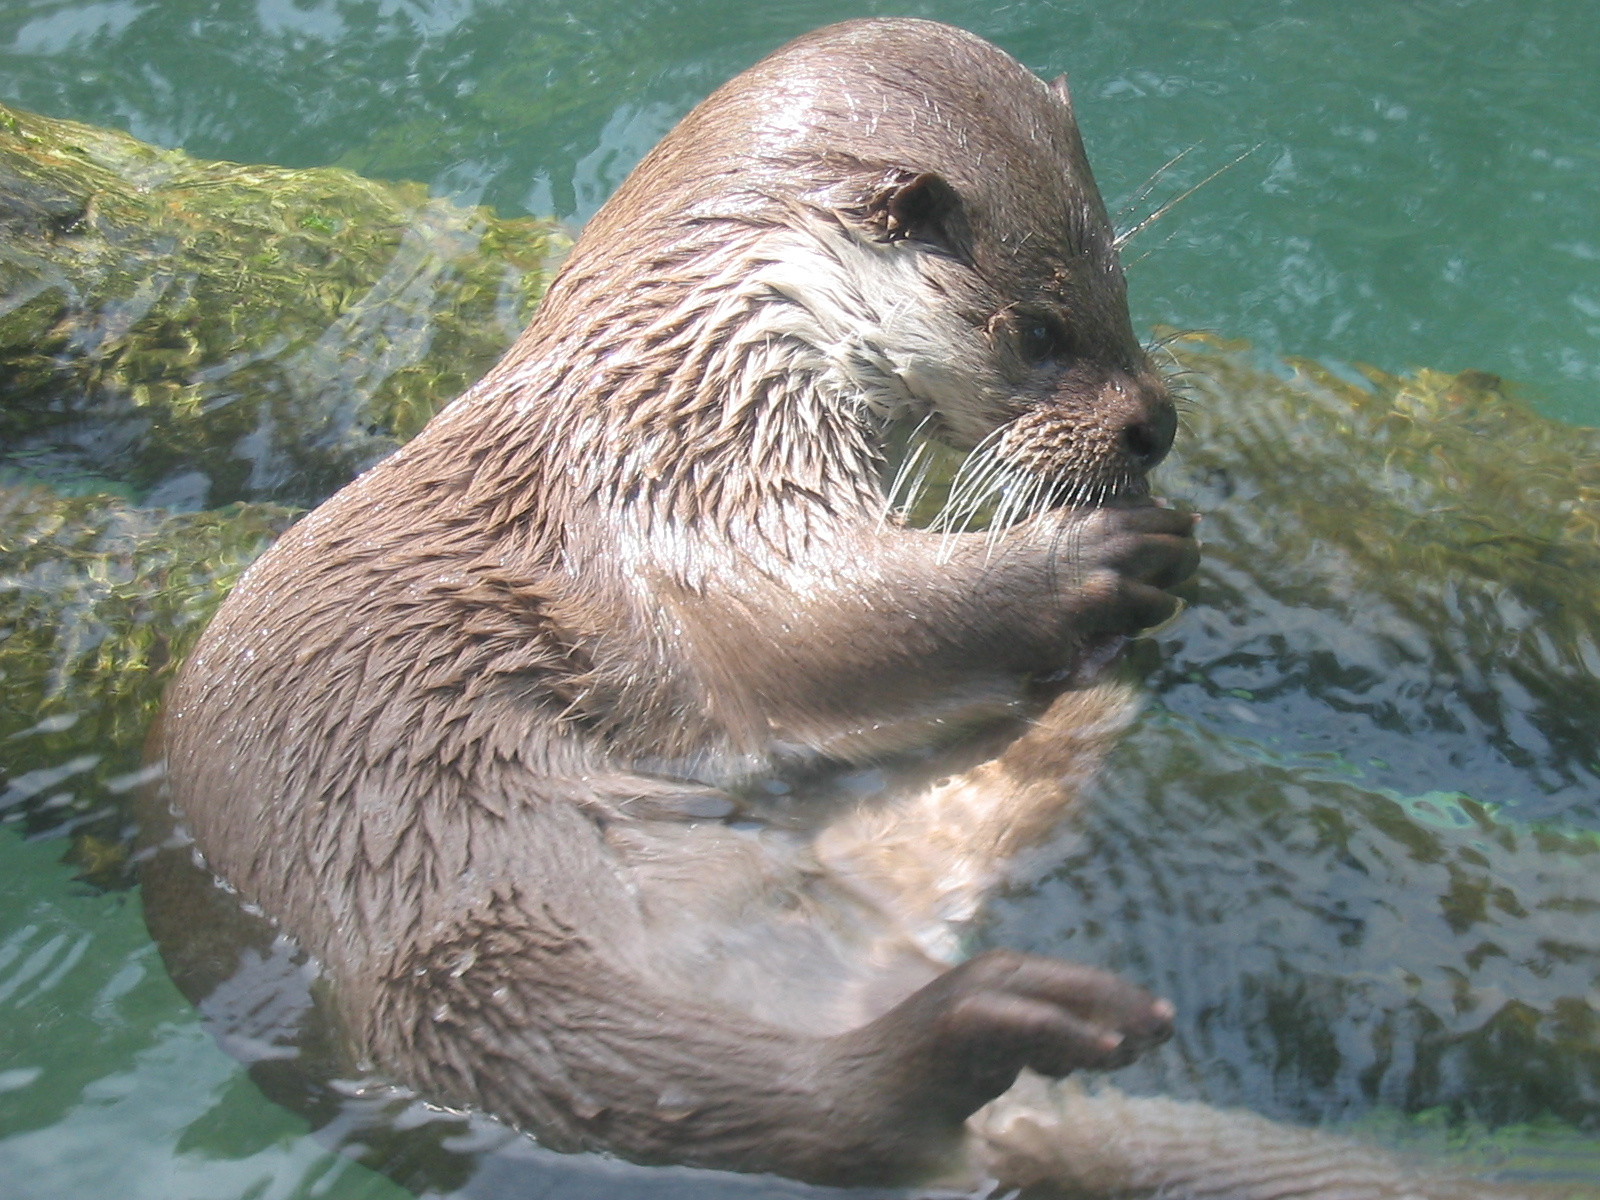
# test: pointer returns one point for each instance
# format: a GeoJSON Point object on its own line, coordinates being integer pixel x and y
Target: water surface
{"type": "Point", "coordinates": [1419, 192]}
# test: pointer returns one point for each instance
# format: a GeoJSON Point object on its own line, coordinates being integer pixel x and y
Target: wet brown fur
{"type": "Point", "coordinates": [495, 732]}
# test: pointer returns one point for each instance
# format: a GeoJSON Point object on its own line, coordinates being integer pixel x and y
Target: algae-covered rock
{"type": "Point", "coordinates": [218, 332]}
{"type": "Point", "coordinates": [1400, 569]}
{"type": "Point", "coordinates": [98, 602]}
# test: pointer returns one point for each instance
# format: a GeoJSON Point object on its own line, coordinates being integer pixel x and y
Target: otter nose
{"type": "Point", "coordinates": [1150, 424]}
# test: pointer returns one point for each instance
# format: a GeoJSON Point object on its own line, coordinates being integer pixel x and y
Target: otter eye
{"type": "Point", "coordinates": [1039, 341]}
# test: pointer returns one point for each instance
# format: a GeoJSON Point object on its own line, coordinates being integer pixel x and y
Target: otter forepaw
{"type": "Point", "coordinates": [1128, 558]}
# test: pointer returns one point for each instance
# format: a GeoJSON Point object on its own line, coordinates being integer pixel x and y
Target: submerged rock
{"type": "Point", "coordinates": [177, 336]}
{"type": "Point", "coordinates": [205, 332]}
{"type": "Point", "coordinates": [1332, 947]}
{"type": "Point", "coordinates": [99, 600]}
{"type": "Point", "coordinates": [1400, 569]}
{"type": "Point", "coordinates": [1354, 837]}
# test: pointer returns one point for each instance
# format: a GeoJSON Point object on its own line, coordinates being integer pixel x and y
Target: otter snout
{"type": "Point", "coordinates": [1139, 409]}
{"type": "Point", "coordinates": [1100, 433]}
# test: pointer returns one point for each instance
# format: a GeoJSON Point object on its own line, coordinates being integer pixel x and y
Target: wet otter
{"type": "Point", "coordinates": [548, 735]}
{"type": "Point", "coordinates": [488, 731]}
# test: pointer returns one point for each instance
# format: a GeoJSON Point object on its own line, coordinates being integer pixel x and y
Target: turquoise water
{"type": "Point", "coordinates": [1419, 191]}
{"type": "Point", "coordinates": [1422, 192]}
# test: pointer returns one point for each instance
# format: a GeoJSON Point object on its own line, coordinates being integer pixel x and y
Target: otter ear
{"type": "Point", "coordinates": [918, 205]}
{"type": "Point", "coordinates": [1058, 89]}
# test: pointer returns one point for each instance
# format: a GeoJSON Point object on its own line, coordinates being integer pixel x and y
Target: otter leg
{"type": "Point", "coordinates": [539, 997]}
{"type": "Point", "coordinates": [901, 637]}
{"type": "Point", "coordinates": [551, 1034]}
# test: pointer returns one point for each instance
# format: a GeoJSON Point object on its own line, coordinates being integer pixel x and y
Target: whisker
{"type": "Point", "coordinates": [974, 482]}
{"type": "Point", "coordinates": [1122, 239]}
{"type": "Point", "coordinates": [1149, 185]}
{"type": "Point", "coordinates": [979, 465]}
{"type": "Point", "coordinates": [959, 517]}
{"type": "Point", "coordinates": [918, 488]}
{"type": "Point", "coordinates": [1177, 335]}
{"type": "Point", "coordinates": [1161, 245]}
{"type": "Point", "coordinates": [903, 475]}
{"type": "Point", "coordinates": [1018, 504]}
{"type": "Point", "coordinates": [1055, 496]}
{"type": "Point", "coordinates": [905, 490]}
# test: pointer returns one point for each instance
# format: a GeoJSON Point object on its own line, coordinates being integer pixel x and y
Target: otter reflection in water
{"type": "Point", "coordinates": [544, 737]}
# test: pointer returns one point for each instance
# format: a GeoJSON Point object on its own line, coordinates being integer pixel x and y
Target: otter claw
{"type": "Point", "coordinates": [1161, 627]}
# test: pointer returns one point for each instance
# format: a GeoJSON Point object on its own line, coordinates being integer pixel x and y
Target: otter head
{"type": "Point", "coordinates": [887, 219]}
{"type": "Point", "coordinates": [986, 247]}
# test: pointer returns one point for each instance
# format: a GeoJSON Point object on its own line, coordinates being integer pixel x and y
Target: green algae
{"type": "Point", "coordinates": [1369, 785]}
{"type": "Point", "coordinates": [1333, 946]}
{"type": "Point", "coordinates": [220, 332]}
{"type": "Point", "coordinates": [234, 339]}
{"type": "Point", "coordinates": [1544, 1151]}
{"type": "Point", "coordinates": [99, 601]}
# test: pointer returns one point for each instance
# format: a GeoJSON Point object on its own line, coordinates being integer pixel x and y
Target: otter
{"type": "Point", "coordinates": [628, 762]}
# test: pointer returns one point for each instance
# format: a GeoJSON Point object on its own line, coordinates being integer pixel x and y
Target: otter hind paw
{"type": "Point", "coordinates": [1055, 1017]}
{"type": "Point", "coordinates": [963, 1038]}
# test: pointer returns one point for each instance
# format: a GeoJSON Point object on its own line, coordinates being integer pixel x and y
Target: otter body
{"type": "Point", "coordinates": [547, 736]}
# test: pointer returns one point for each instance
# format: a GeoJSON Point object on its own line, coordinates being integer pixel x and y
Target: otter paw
{"type": "Point", "coordinates": [971, 1030]}
{"type": "Point", "coordinates": [1052, 1016]}
{"type": "Point", "coordinates": [1130, 556]}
